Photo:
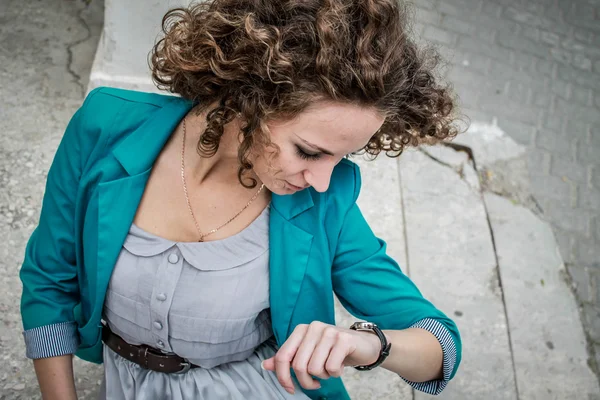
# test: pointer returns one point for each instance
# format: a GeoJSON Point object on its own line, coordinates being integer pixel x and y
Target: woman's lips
{"type": "Point", "coordinates": [294, 186]}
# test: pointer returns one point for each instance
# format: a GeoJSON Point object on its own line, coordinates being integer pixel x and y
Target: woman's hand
{"type": "Point", "coordinates": [323, 351]}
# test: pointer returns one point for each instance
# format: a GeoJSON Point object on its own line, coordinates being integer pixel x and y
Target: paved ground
{"type": "Point", "coordinates": [46, 52]}
{"type": "Point", "coordinates": [534, 67]}
{"type": "Point", "coordinates": [527, 68]}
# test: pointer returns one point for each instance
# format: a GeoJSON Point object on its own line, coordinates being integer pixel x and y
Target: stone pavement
{"type": "Point", "coordinates": [463, 221]}
{"type": "Point", "coordinates": [534, 66]}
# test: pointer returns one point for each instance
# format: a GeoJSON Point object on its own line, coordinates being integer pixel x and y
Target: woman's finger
{"type": "Point", "coordinates": [316, 365]}
{"type": "Point", "coordinates": [285, 355]}
{"type": "Point", "coordinates": [269, 364]}
{"type": "Point", "coordinates": [304, 354]}
{"type": "Point", "coordinates": [335, 362]}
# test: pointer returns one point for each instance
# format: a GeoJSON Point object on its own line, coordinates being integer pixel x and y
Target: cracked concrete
{"type": "Point", "coordinates": [502, 169]}
{"type": "Point", "coordinates": [548, 343]}
{"type": "Point", "coordinates": [459, 159]}
{"type": "Point", "coordinates": [501, 163]}
{"type": "Point", "coordinates": [452, 261]}
{"type": "Point", "coordinates": [73, 66]}
{"type": "Point", "coordinates": [46, 52]}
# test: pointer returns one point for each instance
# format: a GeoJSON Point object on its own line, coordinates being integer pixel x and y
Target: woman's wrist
{"type": "Point", "coordinates": [373, 339]}
{"type": "Point", "coordinates": [379, 345]}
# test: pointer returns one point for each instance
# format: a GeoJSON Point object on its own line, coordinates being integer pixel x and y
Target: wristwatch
{"type": "Point", "coordinates": [385, 346]}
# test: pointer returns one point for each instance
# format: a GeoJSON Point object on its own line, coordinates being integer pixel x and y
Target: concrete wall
{"type": "Point", "coordinates": [130, 31]}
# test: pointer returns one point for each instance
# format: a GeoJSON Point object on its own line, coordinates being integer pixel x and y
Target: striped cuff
{"type": "Point", "coordinates": [51, 340]}
{"type": "Point", "coordinates": [448, 348]}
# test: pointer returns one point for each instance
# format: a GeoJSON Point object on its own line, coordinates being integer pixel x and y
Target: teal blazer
{"type": "Point", "coordinates": [319, 242]}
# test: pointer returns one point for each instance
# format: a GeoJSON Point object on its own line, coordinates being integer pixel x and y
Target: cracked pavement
{"type": "Point", "coordinates": [46, 53]}
{"type": "Point", "coordinates": [78, 71]}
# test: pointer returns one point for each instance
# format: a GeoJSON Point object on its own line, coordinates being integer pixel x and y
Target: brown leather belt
{"type": "Point", "coordinates": [146, 356]}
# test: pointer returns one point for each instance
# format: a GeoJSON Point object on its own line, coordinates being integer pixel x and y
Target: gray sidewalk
{"type": "Point", "coordinates": [466, 223]}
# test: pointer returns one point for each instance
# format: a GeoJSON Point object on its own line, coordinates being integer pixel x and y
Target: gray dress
{"type": "Point", "coordinates": [207, 302]}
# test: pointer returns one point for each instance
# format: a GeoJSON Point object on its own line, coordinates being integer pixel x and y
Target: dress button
{"type": "Point", "coordinates": [161, 297]}
{"type": "Point", "coordinates": [173, 258]}
{"type": "Point", "coordinates": [160, 343]}
{"type": "Point", "coordinates": [157, 325]}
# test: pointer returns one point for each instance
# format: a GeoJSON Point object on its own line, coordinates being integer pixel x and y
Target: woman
{"type": "Point", "coordinates": [193, 243]}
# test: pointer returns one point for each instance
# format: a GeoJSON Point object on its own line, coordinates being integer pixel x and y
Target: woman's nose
{"type": "Point", "coordinates": [319, 177]}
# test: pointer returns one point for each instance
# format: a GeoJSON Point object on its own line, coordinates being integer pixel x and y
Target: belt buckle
{"type": "Point", "coordinates": [186, 367]}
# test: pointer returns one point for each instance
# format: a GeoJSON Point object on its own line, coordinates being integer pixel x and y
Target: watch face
{"type": "Point", "coordinates": [363, 325]}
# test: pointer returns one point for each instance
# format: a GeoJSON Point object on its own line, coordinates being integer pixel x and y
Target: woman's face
{"type": "Point", "coordinates": [312, 144]}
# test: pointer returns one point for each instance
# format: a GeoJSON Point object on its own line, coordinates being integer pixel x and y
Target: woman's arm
{"type": "Point", "coordinates": [319, 350]}
{"type": "Point", "coordinates": [55, 376]}
{"type": "Point", "coordinates": [371, 286]}
{"type": "Point", "coordinates": [49, 270]}
{"type": "Point", "coordinates": [416, 354]}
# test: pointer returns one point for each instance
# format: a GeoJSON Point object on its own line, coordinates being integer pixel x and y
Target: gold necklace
{"type": "Point", "coordinates": [187, 199]}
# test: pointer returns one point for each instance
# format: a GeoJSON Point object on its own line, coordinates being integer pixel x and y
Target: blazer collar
{"type": "Point", "coordinates": [289, 206]}
{"type": "Point", "coordinates": [140, 149]}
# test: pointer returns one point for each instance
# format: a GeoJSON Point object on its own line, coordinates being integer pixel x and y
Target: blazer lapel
{"type": "Point", "coordinates": [117, 205]}
{"type": "Point", "coordinates": [119, 198]}
{"type": "Point", "coordinates": [288, 257]}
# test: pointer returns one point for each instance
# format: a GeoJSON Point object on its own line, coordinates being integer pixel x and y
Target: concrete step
{"type": "Point", "coordinates": [548, 343]}
{"type": "Point", "coordinates": [451, 259]}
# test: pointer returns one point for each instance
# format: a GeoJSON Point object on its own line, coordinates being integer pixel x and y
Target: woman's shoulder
{"type": "Point", "coordinates": [109, 95]}
{"type": "Point", "coordinates": [111, 112]}
{"type": "Point", "coordinates": [345, 180]}
{"type": "Point", "coordinates": [108, 116]}
{"type": "Point", "coordinates": [103, 104]}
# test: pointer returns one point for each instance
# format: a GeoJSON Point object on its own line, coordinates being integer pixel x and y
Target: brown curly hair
{"type": "Point", "coordinates": [269, 59]}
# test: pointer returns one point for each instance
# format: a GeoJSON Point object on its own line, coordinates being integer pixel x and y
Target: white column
{"type": "Point", "coordinates": [130, 30]}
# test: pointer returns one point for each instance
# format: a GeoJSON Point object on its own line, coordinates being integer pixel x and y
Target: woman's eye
{"type": "Point", "coordinates": [307, 156]}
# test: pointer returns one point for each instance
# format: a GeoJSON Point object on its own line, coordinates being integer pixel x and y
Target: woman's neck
{"type": "Point", "coordinates": [223, 165]}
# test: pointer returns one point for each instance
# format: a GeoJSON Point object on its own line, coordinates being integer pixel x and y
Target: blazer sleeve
{"type": "Point", "coordinates": [371, 285]}
{"type": "Point", "coordinates": [49, 270]}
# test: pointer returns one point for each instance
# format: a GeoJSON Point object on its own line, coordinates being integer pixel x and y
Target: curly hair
{"type": "Point", "coordinates": [269, 59]}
